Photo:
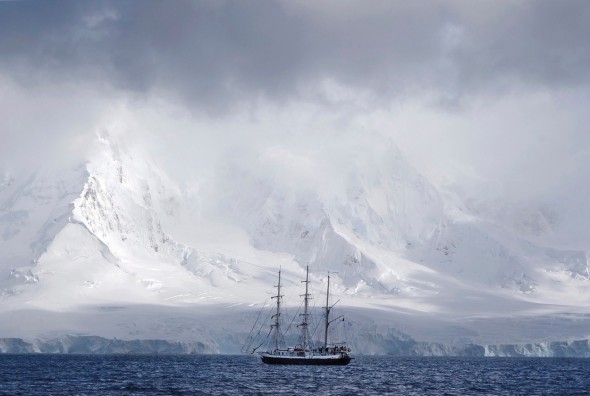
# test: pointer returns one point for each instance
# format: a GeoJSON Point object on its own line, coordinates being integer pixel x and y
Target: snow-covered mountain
{"type": "Point", "coordinates": [118, 232]}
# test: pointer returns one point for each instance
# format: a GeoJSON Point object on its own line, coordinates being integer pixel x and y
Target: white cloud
{"type": "Point", "coordinates": [490, 97]}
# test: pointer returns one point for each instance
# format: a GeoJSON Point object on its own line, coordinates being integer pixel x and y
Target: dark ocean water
{"type": "Point", "coordinates": [244, 375]}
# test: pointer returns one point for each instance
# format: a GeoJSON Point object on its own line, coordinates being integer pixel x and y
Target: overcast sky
{"type": "Point", "coordinates": [491, 96]}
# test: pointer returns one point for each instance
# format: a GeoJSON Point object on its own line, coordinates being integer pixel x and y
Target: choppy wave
{"type": "Point", "coordinates": [246, 375]}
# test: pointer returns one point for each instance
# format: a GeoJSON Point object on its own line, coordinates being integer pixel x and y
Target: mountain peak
{"type": "Point", "coordinates": [121, 224]}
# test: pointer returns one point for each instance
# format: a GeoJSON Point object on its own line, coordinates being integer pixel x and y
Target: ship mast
{"type": "Point", "coordinates": [304, 325]}
{"type": "Point", "coordinates": [277, 316]}
{"type": "Point", "coordinates": [327, 315]}
{"type": "Point", "coordinates": [328, 309]}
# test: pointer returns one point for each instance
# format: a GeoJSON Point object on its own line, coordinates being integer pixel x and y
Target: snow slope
{"type": "Point", "coordinates": [119, 232]}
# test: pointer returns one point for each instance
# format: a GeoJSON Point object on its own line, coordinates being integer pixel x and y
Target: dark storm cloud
{"type": "Point", "coordinates": [213, 54]}
{"type": "Point", "coordinates": [544, 43]}
{"type": "Point", "coordinates": [210, 53]}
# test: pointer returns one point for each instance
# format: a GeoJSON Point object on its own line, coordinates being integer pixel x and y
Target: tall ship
{"type": "Point", "coordinates": [306, 353]}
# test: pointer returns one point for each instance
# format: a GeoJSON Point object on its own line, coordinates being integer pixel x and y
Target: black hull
{"type": "Point", "coordinates": [306, 361]}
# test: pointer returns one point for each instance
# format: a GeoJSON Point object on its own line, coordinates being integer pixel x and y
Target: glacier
{"type": "Point", "coordinates": [117, 249]}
